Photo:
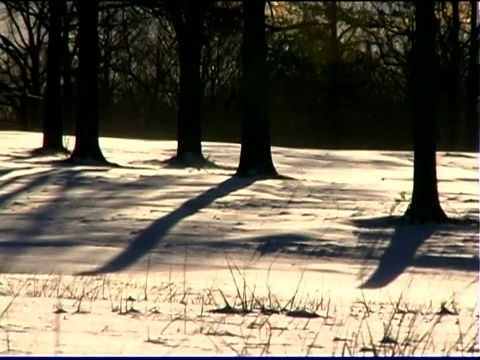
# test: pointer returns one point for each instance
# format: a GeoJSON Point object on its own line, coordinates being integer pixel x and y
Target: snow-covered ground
{"type": "Point", "coordinates": [181, 234]}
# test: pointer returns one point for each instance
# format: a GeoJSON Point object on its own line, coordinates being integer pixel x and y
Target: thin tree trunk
{"type": "Point", "coordinates": [106, 88]}
{"type": "Point", "coordinates": [255, 155]}
{"type": "Point", "coordinates": [87, 119]}
{"type": "Point", "coordinates": [472, 116]}
{"type": "Point", "coordinates": [53, 116]}
{"type": "Point", "coordinates": [35, 91]}
{"type": "Point", "coordinates": [425, 204]}
{"type": "Point", "coordinates": [68, 112]}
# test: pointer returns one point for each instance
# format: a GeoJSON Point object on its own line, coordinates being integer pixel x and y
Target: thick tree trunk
{"type": "Point", "coordinates": [425, 204]}
{"type": "Point", "coordinates": [87, 119]}
{"type": "Point", "coordinates": [473, 79]}
{"type": "Point", "coordinates": [454, 75]}
{"type": "Point", "coordinates": [255, 155]}
{"type": "Point", "coordinates": [53, 116]}
{"type": "Point", "coordinates": [188, 21]}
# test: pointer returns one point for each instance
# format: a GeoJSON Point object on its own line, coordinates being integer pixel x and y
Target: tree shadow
{"type": "Point", "coordinates": [39, 179]}
{"type": "Point", "coordinates": [39, 152]}
{"type": "Point", "coordinates": [37, 244]}
{"type": "Point", "coordinates": [73, 163]}
{"type": "Point", "coordinates": [190, 161]}
{"type": "Point", "coordinates": [149, 238]}
{"type": "Point", "coordinates": [402, 248]}
{"type": "Point", "coordinates": [399, 254]}
{"type": "Point", "coordinates": [4, 172]}
{"type": "Point", "coordinates": [275, 243]}
{"type": "Point", "coordinates": [61, 206]}
{"type": "Point", "coordinates": [39, 219]}
{"type": "Point", "coordinates": [261, 244]}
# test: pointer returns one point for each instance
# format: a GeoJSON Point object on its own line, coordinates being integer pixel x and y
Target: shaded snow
{"type": "Point", "coordinates": [341, 204]}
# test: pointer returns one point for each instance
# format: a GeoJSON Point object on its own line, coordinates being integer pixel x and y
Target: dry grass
{"type": "Point", "coordinates": [136, 314]}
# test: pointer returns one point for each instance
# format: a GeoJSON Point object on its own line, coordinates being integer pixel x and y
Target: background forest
{"type": "Point", "coordinates": [338, 71]}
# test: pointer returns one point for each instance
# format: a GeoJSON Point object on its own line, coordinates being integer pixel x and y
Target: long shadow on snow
{"type": "Point", "coordinates": [400, 253]}
{"type": "Point", "coordinates": [37, 244]}
{"type": "Point", "coordinates": [39, 219]}
{"type": "Point", "coordinates": [39, 179]}
{"type": "Point", "coordinates": [6, 171]}
{"type": "Point", "coordinates": [66, 180]}
{"type": "Point", "coordinates": [149, 238]}
{"type": "Point", "coordinates": [59, 160]}
{"type": "Point", "coordinates": [262, 244]}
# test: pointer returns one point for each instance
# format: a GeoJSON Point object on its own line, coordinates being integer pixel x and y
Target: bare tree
{"type": "Point", "coordinates": [255, 155]}
{"type": "Point", "coordinates": [425, 204]}
{"type": "Point", "coordinates": [53, 114]}
{"type": "Point", "coordinates": [87, 113]}
{"type": "Point", "coordinates": [473, 82]}
{"type": "Point", "coordinates": [22, 43]}
{"type": "Point", "coordinates": [69, 53]}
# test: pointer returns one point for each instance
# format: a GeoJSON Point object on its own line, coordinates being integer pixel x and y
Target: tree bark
{"type": "Point", "coordinates": [53, 116]}
{"type": "Point", "coordinates": [188, 20]}
{"type": "Point", "coordinates": [87, 119]}
{"type": "Point", "coordinates": [190, 43]}
{"type": "Point", "coordinates": [425, 205]}
{"type": "Point", "coordinates": [68, 100]}
{"type": "Point", "coordinates": [473, 83]}
{"type": "Point", "coordinates": [255, 155]}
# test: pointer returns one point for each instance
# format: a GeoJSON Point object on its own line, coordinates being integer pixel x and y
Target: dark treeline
{"type": "Point", "coordinates": [339, 74]}
{"type": "Point", "coordinates": [330, 74]}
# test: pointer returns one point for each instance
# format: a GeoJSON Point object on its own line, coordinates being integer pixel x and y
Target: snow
{"type": "Point", "coordinates": [332, 227]}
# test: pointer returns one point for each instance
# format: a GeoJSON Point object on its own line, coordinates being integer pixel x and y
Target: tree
{"type": "Point", "coordinates": [189, 30]}
{"type": "Point", "coordinates": [22, 42]}
{"type": "Point", "coordinates": [473, 73]}
{"type": "Point", "coordinates": [87, 112]}
{"type": "Point", "coordinates": [53, 114]}
{"type": "Point", "coordinates": [255, 155]}
{"type": "Point", "coordinates": [188, 21]}
{"type": "Point", "coordinates": [425, 204]}
{"type": "Point", "coordinates": [68, 15]}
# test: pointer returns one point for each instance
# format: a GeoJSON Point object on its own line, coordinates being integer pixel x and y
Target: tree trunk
{"type": "Point", "coordinates": [255, 155]}
{"type": "Point", "coordinates": [53, 117]}
{"type": "Point", "coordinates": [425, 204]}
{"type": "Point", "coordinates": [106, 108]}
{"type": "Point", "coordinates": [68, 113]}
{"type": "Point", "coordinates": [473, 78]}
{"type": "Point", "coordinates": [189, 134]}
{"type": "Point", "coordinates": [454, 75]}
{"type": "Point", "coordinates": [188, 21]}
{"type": "Point", "coordinates": [87, 119]}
